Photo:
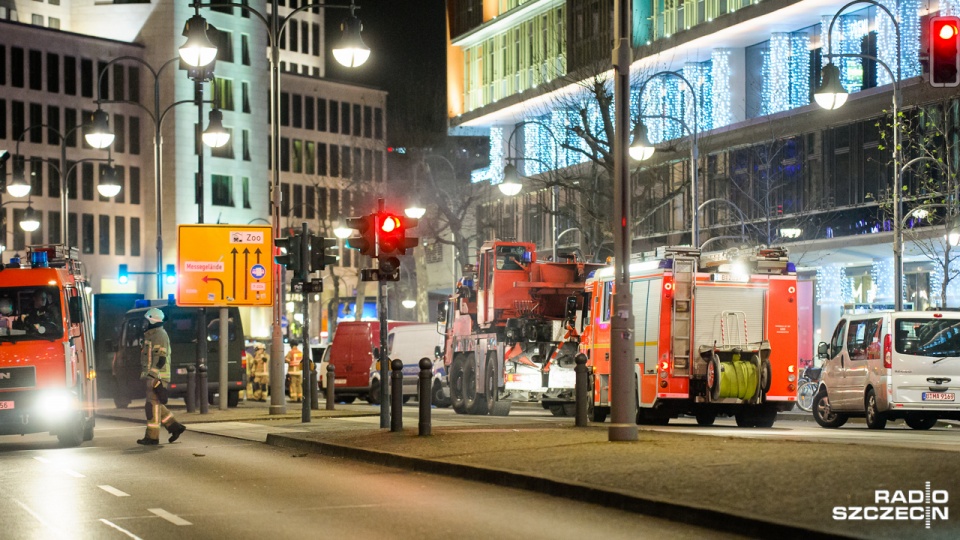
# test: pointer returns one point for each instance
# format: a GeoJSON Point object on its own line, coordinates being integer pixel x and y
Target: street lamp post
{"type": "Point", "coordinates": [643, 150]}
{"type": "Point", "coordinates": [99, 137]}
{"type": "Point", "coordinates": [832, 95]}
{"type": "Point", "coordinates": [351, 53]}
{"type": "Point", "coordinates": [157, 116]}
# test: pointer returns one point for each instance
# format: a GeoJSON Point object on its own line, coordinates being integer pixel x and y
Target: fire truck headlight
{"type": "Point", "coordinates": [54, 405]}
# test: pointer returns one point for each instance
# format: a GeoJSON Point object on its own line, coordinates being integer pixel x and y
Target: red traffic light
{"type": "Point", "coordinates": [944, 50]}
{"type": "Point", "coordinates": [390, 223]}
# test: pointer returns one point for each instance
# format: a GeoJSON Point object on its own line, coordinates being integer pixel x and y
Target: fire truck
{"type": "Point", "coordinates": [47, 373]}
{"type": "Point", "coordinates": [714, 334]}
{"type": "Point", "coordinates": [509, 330]}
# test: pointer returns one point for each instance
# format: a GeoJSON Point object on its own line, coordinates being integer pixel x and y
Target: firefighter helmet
{"type": "Point", "coordinates": [6, 306]}
{"type": "Point", "coordinates": [154, 315]}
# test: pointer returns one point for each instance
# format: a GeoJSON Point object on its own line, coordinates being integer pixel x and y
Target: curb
{"type": "Point", "coordinates": [681, 513]}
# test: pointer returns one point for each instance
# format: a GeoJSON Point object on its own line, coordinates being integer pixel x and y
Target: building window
{"type": "Point", "coordinates": [135, 237]}
{"type": "Point", "coordinates": [245, 136]}
{"type": "Point", "coordinates": [310, 198]}
{"type": "Point", "coordinates": [297, 201]}
{"type": "Point", "coordinates": [36, 177]}
{"type": "Point", "coordinates": [294, 32]}
{"type": "Point", "coordinates": [86, 78]}
{"type": "Point", "coordinates": [297, 156]}
{"type": "Point", "coordinates": [53, 178]}
{"type": "Point", "coordinates": [53, 73]}
{"type": "Point", "coordinates": [104, 235]}
{"type": "Point", "coordinates": [36, 122]}
{"type": "Point", "coordinates": [245, 186]}
{"type": "Point", "coordinates": [133, 84]}
{"type": "Point", "coordinates": [367, 121]}
{"type": "Point", "coordinates": [119, 130]}
{"type": "Point", "coordinates": [87, 180]}
{"type": "Point", "coordinates": [70, 75]}
{"type": "Point", "coordinates": [284, 109]}
{"type": "Point", "coordinates": [345, 118]}
{"type": "Point", "coordinates": [245, 49]}
{"type": "Point", "coordinates": [378, 123]}
{"type": "Point", "coordinates": [135, 135]}
{"type": "Point", "coordinates": [16, 67]}
{"type": "Point", "coordinates": [134, 186]}
{"type": "Point", "coordinates": [224, 94]}
{"type": "Point", "coordinates": [334, 116]}
{"type": "Point", "coordinates": [357, 120]}
{"type": "Point", "coordinates": [284, 154]}
{"type": "Point", "coordinates": [121, 178]}
{"type": "Point", "coordinates": [245, 96]}
{"type": "Point", "coordinates": [315, 50]}
{"type": "Point", "coordinates": [225, 151]}
{"type": "Point", "coordinates": [19, 237]}
{"type": "Point", "coordinates": [321, 114]}
{"type": "Point", "coordinates": [322, 159]}
{"type": "Point", "coordinates": [88, 236]}
{"type": "Point", "coordinates": [334, 160]}
{"type": "Point", "coordinates": [53, 227]}
{"type": "Point", "coordinates": [118, 82]}
{"type": "Point", "coordinates": [119, 236]}
{"type": "Point", "coordinates": [322, 210]}
{"type": "Point", "coordinates": [284, 200]}
{"type": "Point", "coordinates": [308, 158]}
{"type": "Point", "coordinates": [72, 229]}
{"type": "Point", "coordinates": [225, 49]}
{"type": "Point", "coordinates": [222, 188]}
{"type": "Point", "coordinates": [297, 110]}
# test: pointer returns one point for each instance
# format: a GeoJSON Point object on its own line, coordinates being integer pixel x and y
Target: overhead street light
{"type": "Point", "coordinates": [31, 219]}
{"type": "Point", "coordinates": [510, 185]}
{"type": "Point", "coordinates": [98, 133]}
{"type": "Point", "coordinates": [197, 51]}
{"type": "Point", "coordinates": [351, 51]}
{"type": "Point", "coordinates": [109, 184]}
{"type": "Point", "coordinates": [215, 136]}
{"type": "Point", "coordinates": [19, 187]}
{"type": "Point", "coordinates": [641, 149]}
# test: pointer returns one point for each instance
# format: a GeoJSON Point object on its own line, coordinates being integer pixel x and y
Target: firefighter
{"type": "Point", "coordinates": [155, 371]}
{"type": "Point", "coordinates": [293, 359]}
{"type": "Point", "coordinates": [43, 317]}
{"type": "Point", "coordinates": [260, 371]}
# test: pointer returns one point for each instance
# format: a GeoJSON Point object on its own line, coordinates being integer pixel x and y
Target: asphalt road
{"type": "Point", "coordinates": [214, 487]}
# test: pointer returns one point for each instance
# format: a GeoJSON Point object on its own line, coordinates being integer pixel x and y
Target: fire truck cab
{"type": "Point", "coordinates": [47, 373]}
{"type": "Point", "coordinates": [714, 334]}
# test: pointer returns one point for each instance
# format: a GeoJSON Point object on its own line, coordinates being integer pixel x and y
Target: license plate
{"type": "Point", "coordinates": [6, 405]}
{"type": "Point", "coordinates": [938, 396]}
{"type": "Point", "coordinates": [339, 381]}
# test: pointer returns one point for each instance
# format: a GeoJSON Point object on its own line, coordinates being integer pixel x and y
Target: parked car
{"type": "Point", "coordinates": [181, 325]}
{"type": "Point", "coordinates": [890, 365]}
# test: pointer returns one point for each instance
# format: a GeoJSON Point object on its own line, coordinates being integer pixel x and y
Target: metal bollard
{"type": "Point", "coordinates": [331, 385]}
{"type": "Point", "coordinates": [191, 397]}
{"type": "Point", "coordinates": [314, 389]}
{"type": "Point", "coordinates": [204, 390]}
{"type": "Point", "coordinates": [424, 395]}
{"type": "Point", "coordinates": [396, 395]}
{"type": "Point", "coordinates": [581, 389]}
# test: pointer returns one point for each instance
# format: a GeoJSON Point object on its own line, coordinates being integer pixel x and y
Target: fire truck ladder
{"type": "Point", "coordinates": [684, 269]}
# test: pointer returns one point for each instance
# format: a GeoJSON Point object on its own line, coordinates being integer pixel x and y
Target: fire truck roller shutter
{"type": "Point", "coordinates": [646, 330]}
{"type": "Point", "coordinates": [712, 301]}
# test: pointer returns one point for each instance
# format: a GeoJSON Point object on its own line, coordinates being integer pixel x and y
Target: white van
{"type": "Point", "coordinates": [410, 343]}
{"type": "Point", "coordinates": [888, 365]}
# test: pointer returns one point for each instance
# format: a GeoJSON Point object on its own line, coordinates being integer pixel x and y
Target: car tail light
{"type": "Point", "coordinates": [243, 360]}
{"type": "Point", "coordinates": [888, 351]}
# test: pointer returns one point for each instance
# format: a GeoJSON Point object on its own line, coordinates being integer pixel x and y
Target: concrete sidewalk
{"type": "Point", "coordinates": [760, 488]}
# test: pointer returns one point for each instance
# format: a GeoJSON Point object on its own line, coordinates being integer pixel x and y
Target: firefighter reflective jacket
{"type": "Point", "coordinates": [156, 345]}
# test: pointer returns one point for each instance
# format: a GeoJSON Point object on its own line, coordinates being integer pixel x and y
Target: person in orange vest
{"type": "Point", "coordinates": [294, 359]}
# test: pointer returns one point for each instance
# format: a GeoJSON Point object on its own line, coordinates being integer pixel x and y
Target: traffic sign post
{"type": "Point", "coordinates": [224, 265]}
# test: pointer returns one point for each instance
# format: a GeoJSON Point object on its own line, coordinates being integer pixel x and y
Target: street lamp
{"type": "Point", "coordinates": [215, 136]}
{"type": "Point", "coordinates": [197, 55]}
{"type": "Point", "coordinates": [19, 186]}
{"type": "Point", "coordinates": [642, 147]}
{"type": "Point", "coordinates": [31, 219]}
{"type": "Point", "coordinates": [831, 95]}
{"type": "Point", "coordinates": [157, 116]}
{"type": "Point", "coordinates": [109, 185]}
{"type": "Point", "coordinates": [510, 185]}
{"type": "Point", "coordinates": [99, 134]}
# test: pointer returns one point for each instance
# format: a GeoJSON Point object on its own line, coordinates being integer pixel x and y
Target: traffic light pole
{"type": "Point", "coordinates": [305, 332]}
{"type": "Point", "coordinates": [382, 309]}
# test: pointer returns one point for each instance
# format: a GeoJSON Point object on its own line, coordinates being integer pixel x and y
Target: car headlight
{"type": "Point", "coordinates": [56, 404]}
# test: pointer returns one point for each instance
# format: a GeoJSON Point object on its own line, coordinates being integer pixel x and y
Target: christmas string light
{"type": "Point", "coordinates": [720, 79]}
{"type": "Point", "coordinates": [832, 284]}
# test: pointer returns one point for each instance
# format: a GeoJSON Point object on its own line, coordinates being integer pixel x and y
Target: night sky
{"type": "Point", "coordinates": [407, 40]}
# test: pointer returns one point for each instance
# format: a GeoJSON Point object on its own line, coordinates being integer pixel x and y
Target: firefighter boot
{"type": "Point", "coordinates": [147, 440]}
{"type": "Point", "coordinates": [176, 429]}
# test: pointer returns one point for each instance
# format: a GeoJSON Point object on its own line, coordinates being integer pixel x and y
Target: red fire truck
{"type": "Point", "coordinates": [508, 330]}
{"type": "Point", "coordinates": [715, 334]}
{"type": "Point", "coordinates": [47, 373]}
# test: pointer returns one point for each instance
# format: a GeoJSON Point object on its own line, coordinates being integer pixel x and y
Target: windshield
{"type": "Point", "coordinates": [510, 257]}
{"type": "Point", "coordinates": [30, 313]}
{"type": "Point", "coordinates": [928, 337]}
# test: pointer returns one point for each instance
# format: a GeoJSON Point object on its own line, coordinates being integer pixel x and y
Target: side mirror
{"type": "Point", "coordinates": [822, 350]}
{"type": "Point", "coordinates": [442, 312]}
{"type": "Point", "coordinates": [437, 351]}
{"type": "Point", "coordinates": [76, 310]}
{"type": "Point", "coordinates": [571, 308]}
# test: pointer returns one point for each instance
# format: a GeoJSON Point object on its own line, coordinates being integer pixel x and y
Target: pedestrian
{"type": "Point", "coordinates": [293, 359]}
{"type": "Point", "coordinates": [260, 371]}
{"type": "Point", "coordinates": [155, 371]}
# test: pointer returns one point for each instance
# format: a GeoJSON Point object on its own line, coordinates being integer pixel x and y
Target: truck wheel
{"type": "Point", "coordinates": [875, 419]}
{"type": "Point", "coordinates": [713, 378]}
{"type": "Point", "coordinates": [706, 418]}
{"type": "Point", "coordinates": [437, 397]}
{"type": "Point", "coordinates": [766, 376]}
{"type": "Point", "coordinates": [745, 419]}
{"type": "Point", "coordinates": [88, 428]}
{"type": "Point", "coordinates": [121, 402]}
{"type": "Point", "coordinates": [766, 416]}
{"type": "Point", "coordinates": [456, 384]}
{"type": "Point", "coordinates": [473, 401]}
{"type": "Point", "coordinates": [71, 434]}
{"type": "Point", "coordinates": [564, 409]}
{"type": "Point", "coordinates": [823, 414]}
{"type": "Point", "coordinates": [373, 397]}
{"type": "Point", "coordinates": [490, 387]}
{"type": "Point", "coordinates": [599, 414]}
{"type": "Point", "coordinates": [347, 400]}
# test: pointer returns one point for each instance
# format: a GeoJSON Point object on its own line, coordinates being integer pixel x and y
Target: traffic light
{"type": "Point", "coordinates": [171, 274]}
{"type": "Point", "coordinates": [944, 51]}
{"type": "Point", "coordinates": [367, 241]}
{"type": "Point", "coordinates": [291, 258]}
{"type": "Point", "coordinates": [393, 235]}
{"type": "Point", "coordinates": [319, 260]}
{"type": "Point", "coordinates": [389, 269]}
{"type": "Point", "coordinates": [123, 276]}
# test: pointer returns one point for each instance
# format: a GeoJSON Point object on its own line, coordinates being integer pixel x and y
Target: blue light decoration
{"type": "Point", "coordinates": [662, 97]}
{"type": "Point", "coordinates": [950, 7]}
{"type": "Point", "coordinates": [562, 122]}
{"type": "Point", "coordinates": [832, 284]}
{"type": "Point", "coordinates": [700, 76]}
{"type": "Point", "coordinates": [493, 173]}
{"type": "Point", "coordinates": [786, 68]}
{"type": "Point", "coordinates": [720, 79]}
{"type": "Point", "coordinates": [908, 13]}
{"type": "Point", "coordinates": [881, 271]}
{"type": "Point", "coordinates": [847, 33]}
{"type": "Point", "coordinates": [539, 148]}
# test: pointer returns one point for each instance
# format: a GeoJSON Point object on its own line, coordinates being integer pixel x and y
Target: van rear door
{"type": "Point", "coordinates": [926, 360]}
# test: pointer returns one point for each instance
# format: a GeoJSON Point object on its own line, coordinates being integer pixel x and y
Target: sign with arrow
{"type": "Point", "coordinates": [224, 265]}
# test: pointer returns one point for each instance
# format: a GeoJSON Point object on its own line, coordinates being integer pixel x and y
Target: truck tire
{"type": "Point", "coordinates": [233, 398]}
{"type": "Point", "coordinates": [71, 434]}
{"type": "Point", "coordinates": [456, 384]}
{"type": "Point", "coordinates": [766, 376]}
{"type": "Point", "coordinates": [495, 407]}
{"type": "Point", "coordinates": [373, 397]}
{"type": "Point", "coordinates": [88, 428]}
{"type": "Point", "coordinates": [121, 402]}
{"type": "Point", "coordinates": [437, 397]}
{"type": "Point", "coordinates": [874, 418]}
{"type": "Point", "coordinates": [713, 378]}
{"type": "Point", "coordinates": [474, 402]}
{"type": "Point", "coordinates": [706, 418]}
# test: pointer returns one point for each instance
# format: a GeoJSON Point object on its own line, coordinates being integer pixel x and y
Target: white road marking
{"type": "Point", "coordinates": [114, 491]}
{"type": "Point", "coordinates": [37, 517]}
{"type": "Point", "coordinates": [119, 528]}
{"type": "Point", "coordinates": [64, 470]}
{"type": "Point", "coordinates": [172, 518]}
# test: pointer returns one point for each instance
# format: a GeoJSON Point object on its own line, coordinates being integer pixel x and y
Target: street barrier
{"type": "Point", "coordinates": [581, 389]}
{"type": "Point", "coordinates": [424, 395]}
{"type": "Point", "coordinates": [331, 381]}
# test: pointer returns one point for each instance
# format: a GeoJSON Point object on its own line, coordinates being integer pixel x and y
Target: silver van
{"type": "Point", "coordinates": [889, 365]}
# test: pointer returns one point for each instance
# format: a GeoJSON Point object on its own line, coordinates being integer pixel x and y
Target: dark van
{"type": "Point", "coordinates": [181, 325]}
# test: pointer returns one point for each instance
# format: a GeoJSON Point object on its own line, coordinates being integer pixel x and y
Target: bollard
{"type": "Point", "coordinates": [424, 395]}
{"type": "Point", "coordinates": [331, 385]}
{"type": "Point", "coordinates": [314, 388]}
{"type": "Point", "coordinates": [581, 389]}
{"type": "Point", "coordinates": [191, 397]}
{"type": "Point", "coordinates": [204, 390]}
{"type": "Point", "coordinates": [396, 395]}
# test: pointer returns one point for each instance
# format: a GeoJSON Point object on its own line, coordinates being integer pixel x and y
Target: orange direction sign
{"type": "Point", "coordinates": [224, 265]}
